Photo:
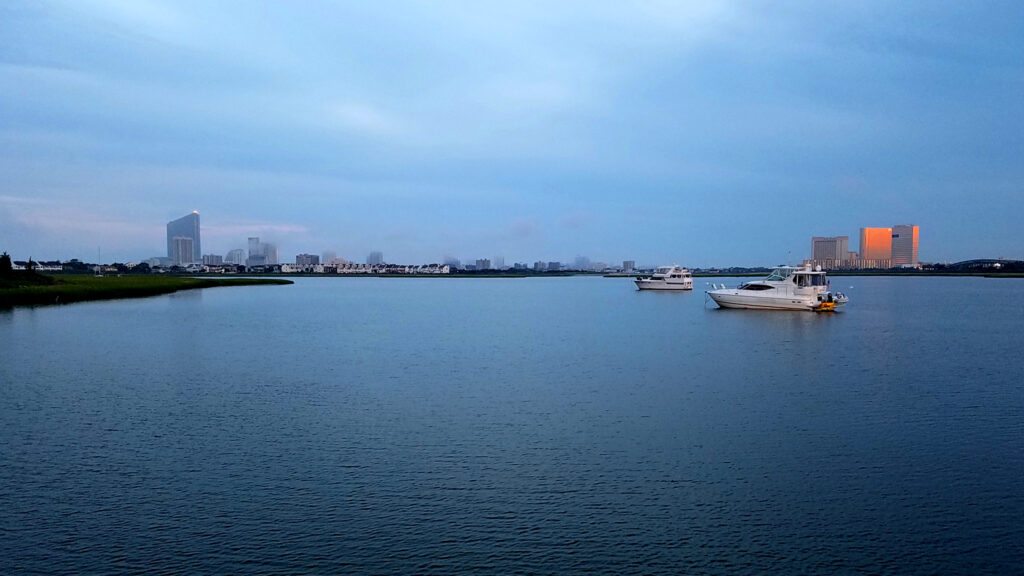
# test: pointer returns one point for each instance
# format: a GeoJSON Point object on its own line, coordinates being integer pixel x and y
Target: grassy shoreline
{"type": "Point", "coordinates": [65, 289]}
{"type": "Point", "coordinates": [836, 274]}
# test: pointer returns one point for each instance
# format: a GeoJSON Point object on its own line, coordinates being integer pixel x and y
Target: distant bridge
{"type": "Point", "coordinates": [982, 263]}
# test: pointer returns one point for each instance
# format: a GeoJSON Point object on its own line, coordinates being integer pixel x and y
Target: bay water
{"type": "Point", "coordinates": [530, 426]}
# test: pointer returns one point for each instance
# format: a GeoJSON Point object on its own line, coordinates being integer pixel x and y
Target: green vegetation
{"type": "Point", "coordinates": [22, 288]}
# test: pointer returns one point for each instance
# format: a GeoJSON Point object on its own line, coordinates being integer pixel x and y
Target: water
{"type": "Point", "coordinates": [562, 425]}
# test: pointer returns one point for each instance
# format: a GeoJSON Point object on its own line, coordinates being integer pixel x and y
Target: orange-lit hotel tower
{"type": "Point", "coordinates": [888, 247]}
{"type": "Point", "coordinates": [876, 247]}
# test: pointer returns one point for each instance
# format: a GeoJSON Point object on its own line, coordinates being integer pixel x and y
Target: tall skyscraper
{"type": "Point", "coordinates": [876, 247]}
{"type": "Point", "coordinates": [270, 253]}
{"type": "Point", "coordinates": [185, 227]}
{"type": "Point", "coordinates": [254, 246]}
{"type": "Point", "coordinates": [375, 258]}
{"type": "Point", "coordinates": [904, 245]}
{"type": "Point", "coordinates": [830, 252]}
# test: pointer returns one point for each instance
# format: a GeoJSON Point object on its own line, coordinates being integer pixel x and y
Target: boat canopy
{"type": "Point", "coordinates": [780, 274]}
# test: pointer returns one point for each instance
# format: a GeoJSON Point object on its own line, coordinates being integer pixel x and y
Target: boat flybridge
{"type": "Point", "coordinates": [666, 278]}
{"type": "Point", "coordinates": [786, 288]}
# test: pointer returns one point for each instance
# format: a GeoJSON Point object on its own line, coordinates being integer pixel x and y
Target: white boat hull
{"type": "Point", "coordinates": [644, 284]}
{"type": "Point", "coordinates": [786, 288]}
{"type": "Point", "coordinates": [734, 299]}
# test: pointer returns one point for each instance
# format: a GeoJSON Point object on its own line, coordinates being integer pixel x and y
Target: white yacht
{"type": "Point", "coordinates": [787, 288]}
{"type": "Point", "coordinates": [666, 278]}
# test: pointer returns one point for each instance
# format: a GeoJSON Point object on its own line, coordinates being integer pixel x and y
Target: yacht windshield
{"type": "Point", "coordinates": [756, 287]}
{"type": "Point", "coordinates": [779, 274]}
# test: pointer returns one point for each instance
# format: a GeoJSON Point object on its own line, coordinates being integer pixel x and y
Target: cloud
{"type": "Point", "coordinates": [70, 221]}
{"type": "Point", "coordinates": [365, 120]}
{"type": "Point", "coordinates": [523, 228]}
{"type": "Point", "coordinates": [247, 227]}
{"type": "Point", "coordinates": [357, 119]}
{"type": "Point", "coordinates": [577, 220]}
{"type": "Point", "coordinates": [225, 234]}
{"type": "Point", "coordinates": [149, 17]}
{"type": "Point", "coordinates": [64, 230]}
{"type": "Point", "coordinates": [14, 201]}
{"type": "Point", "coordinates": [71, 225]}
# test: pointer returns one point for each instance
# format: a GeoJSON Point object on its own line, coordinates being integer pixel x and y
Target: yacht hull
{"type": "Point", "coordinates": [786, 288]}
{"type": "Point", "coordinates": [731, 299]}
{"type": "Point", "coordinates": [661, 285]}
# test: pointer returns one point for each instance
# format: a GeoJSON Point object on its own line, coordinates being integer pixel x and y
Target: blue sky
{"type": "Point", "coordinates": [707, 133]}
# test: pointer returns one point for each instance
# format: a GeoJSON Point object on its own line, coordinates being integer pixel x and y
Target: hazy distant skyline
{"type": "Point", "coordinates": [695, 133]}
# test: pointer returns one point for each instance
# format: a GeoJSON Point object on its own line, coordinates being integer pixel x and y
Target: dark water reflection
{"type": "Point", "coordinates": [537, 425]}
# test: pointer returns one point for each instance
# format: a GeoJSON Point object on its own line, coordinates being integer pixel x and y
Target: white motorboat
{"type": "Point", "coordinates": [666, 278]}
{"type": "Point", "coordinates": [787, 288]}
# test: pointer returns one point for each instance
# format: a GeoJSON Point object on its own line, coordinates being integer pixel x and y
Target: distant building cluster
{"type": "Point", "coordinates": [880, 248]}
{"type": "Point", "coordinates": [352, 268]}
{"type": "Point", "coordinates": [307, 260]}
{"type": "Point", "coordinates": [261, 253]}
{"type": "Point", "coordinates": [895, 247]}
{"type": "Point", "coordinates": [184, 250]}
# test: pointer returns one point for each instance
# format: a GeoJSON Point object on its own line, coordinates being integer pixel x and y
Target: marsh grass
{"type": "Point", "coordinates": [79, 288]}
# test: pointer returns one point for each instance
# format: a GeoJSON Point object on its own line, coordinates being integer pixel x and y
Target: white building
{"type": "Point", "coordinates": [904, 245]}
{"type": "Point", "coordinates": [236, 256]}
{"type": "Point", "coordinates": [831, 252]}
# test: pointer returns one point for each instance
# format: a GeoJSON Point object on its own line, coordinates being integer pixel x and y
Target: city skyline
{"type": "Point", "coordinates": [896, 246]}
{"type": "Point", "coordinates": [891, 247]}
{"type": "Point", "coordinates": [656, 132]}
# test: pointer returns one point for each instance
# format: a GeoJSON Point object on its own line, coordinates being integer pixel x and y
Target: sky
{"type": "Point", "coordinates": [704, 134]}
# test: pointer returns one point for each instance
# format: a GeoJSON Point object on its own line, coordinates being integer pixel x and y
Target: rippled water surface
{"type": "Point", "coordinates": [561, 425]}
